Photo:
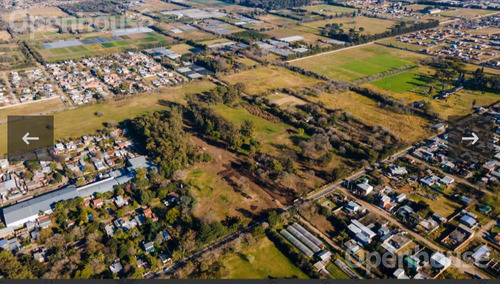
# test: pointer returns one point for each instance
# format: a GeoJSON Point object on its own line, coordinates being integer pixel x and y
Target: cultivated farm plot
{"type": "Point", "coordinates": [410, 128]}
{"type": "Point", "coordinates": [262, 79]}
{"type": "Point", "coordinates": [370, 25]}
{"type": "Point", "coordinates": [269, 263]}
{"type": "Point", "coordinates": [355, 63]}
{"type": "Point", "coordinates": [113, 44]}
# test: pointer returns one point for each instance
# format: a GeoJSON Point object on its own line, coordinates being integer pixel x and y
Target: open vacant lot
{"type": "Point", "coordinates": [40, 12]}
{"type": "Point", "coordinates": [408, 127]}
{"type": "Point", "coordinates": [88, 122]}
{"type": "Point", "coordinates": [263, 79]}
{"type": "Point", "coordinates": [443, 206]}
{"type": "Point", "coordinates": [354, 63]}
{"type": "Point", "coordinates": [32, 108]}
{"type": "Point", "coordinates": [212, 185]}
{"type": "Point", "coordinates": [277, 20]}
{"type": "Point", "coordinates": [466, 13]}
{"type": "Point", "coordinates": [329, 10]}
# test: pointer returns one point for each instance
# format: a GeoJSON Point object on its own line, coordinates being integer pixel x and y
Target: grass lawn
{"type": "Point", "coordinates": [443, 206]}
{"type": "Point", "coordinates": [61, 50]}
{"type": "Point", "coordinates": [410, 128]}
{"type": "Point", "coordinates": [402, 82]}
{"type": "Point", "coordinates": [265, 131]}
{"type": "Point", "coordinates": [269, 263]}
{"type": "Point", "coordinates": [31, 108]}
{"type": "Point", "coordinates": [355, 63]}
{"type": "Point", "coordinates": [262, 79]}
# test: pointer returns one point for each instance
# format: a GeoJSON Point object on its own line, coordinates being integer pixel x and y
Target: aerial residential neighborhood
{"type": "Point", "coordinates": [224, 139]}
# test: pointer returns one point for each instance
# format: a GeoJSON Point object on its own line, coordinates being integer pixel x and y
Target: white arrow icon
{"type": "Point", "coordinates": [474, 138]}
{"type": "Point", "coordinates": [27, 139]}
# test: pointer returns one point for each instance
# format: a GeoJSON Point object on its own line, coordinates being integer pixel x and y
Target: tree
{"type": "Point", "coordinates": [145, 197]}
{"type": "Point", "coordinates": [247, 128]}
{"type": "Point", "coordinates": [11, 268]}
{"type": "Point", "coordinates": [57, 177]}
{"type": "Point", "coordinates": [179, 175]}
{"type": "Point", "coordinates": [274, 218]}
{"type": "Point", "coordinates": [80, 182]}
{"type": "Point", "coordinates": [250, 258]}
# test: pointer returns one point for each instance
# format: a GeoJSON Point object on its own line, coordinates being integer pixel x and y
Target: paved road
{"type": "Point", "coordinates": [457, 262]}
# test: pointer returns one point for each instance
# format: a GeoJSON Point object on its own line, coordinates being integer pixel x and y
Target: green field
{"type": "Point", "coordinates": [443, 206]}
{"type": "Point", "coordinates": [269, 263]}
{"type": "Point", "coordinates": [410, 128]}
{"type": "Point", "coordinates": [264, 130]}
{"type": "Point", "coordinates": [402, 82]}
{"type": "Point", "coordinates": [355, 63]}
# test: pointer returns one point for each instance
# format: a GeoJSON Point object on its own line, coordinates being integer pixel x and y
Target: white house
{"type": "Point", "coordinates": [365, 188]}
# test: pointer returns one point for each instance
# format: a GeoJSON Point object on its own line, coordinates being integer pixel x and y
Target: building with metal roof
{"type": "Point", "coordinates": [30, 210]}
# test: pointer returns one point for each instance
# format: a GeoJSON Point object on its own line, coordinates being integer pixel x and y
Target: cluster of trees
{"type": "Point", "coordinates": [104, 6]}
{"type": "Point", "coordinates": [216, 64]}
{"type": "Point", "coordinates": [384, 74]}
{"type": "Point", "coordinates": [450, 68]}
{"type": "Point", "coordinates": [248, 36]}
{"type": "Point", "coordinates": [271, 5]}
{"type": "Point", "coordinates": [214, 125]}
{"type": "Point", "coordinates": [335, 31]}
{"type": "Point", "coordinates": [394, 105]}
{"type": "Point", "coordinates": [162, 137]}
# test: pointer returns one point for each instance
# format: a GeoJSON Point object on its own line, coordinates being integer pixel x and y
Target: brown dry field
{"type": "Point", "coordinates": [216, 189]}
{"type": "Point", "coordinates": [41, 12]}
